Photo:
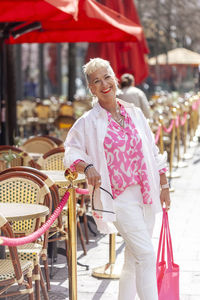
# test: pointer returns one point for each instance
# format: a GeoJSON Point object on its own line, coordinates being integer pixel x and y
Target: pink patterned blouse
{"type": "Point", "coordinates": [125, 160]}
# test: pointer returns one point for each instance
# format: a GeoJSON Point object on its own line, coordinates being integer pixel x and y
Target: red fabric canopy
{"type": "Point", "coordinates": [126, 57]}
{"type": "Point", "coordinates": [36, 10]}
{"type": "Point", "coordinates": [95, 23]}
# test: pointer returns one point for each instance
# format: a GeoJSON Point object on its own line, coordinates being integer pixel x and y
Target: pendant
{"type": "Point", "coordinates": [121, 122]}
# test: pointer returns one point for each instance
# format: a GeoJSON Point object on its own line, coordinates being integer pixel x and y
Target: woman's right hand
{"type": "Point", "coordinates": [93, 177]}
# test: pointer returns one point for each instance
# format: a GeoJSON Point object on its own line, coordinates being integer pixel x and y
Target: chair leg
{"type": "Point", "coordinates": [90, 228]}
{"type": "Point", "coordinates": [51, 270]}
{"type": "Point", "coordinates": [84, 217]}
{"type": "Point", "coordinates": [46, 270]}
{"type": "Point", "coordinates": [81, 237]}
{"type": "Point", "coordinates": [43, 286]}
{"type": "Point", "coordinates": [37, 280]}
{"type": "Point", "coordinates": [29, 279]}
{"type": "Point", "coordinates": [85, 222]}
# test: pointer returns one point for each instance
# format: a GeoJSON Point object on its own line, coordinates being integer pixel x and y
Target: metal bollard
{"type": "Point", "coordinates": [72, 260]}
{"type": "Point", "coordinates": [107, 271]}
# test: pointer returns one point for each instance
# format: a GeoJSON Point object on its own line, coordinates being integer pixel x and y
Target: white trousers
{"type": "Point", "coordinates": [135, 223]}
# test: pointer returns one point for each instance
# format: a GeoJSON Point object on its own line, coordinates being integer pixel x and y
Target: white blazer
{"type": "Point", "coordinates": [85, 141]}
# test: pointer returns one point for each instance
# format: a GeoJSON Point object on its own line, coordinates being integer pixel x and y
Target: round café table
{"type": "Point", "coordinates": [22, 211]}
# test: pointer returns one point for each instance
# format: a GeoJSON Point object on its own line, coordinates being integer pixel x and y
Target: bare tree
{"type": "Point", "coordinates": [170, 23]}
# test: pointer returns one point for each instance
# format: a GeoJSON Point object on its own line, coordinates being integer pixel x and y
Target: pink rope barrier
{"type": "Point", "coordinates": [35, 235]}
{"type": "Point", "coordinates": [184, 119]}
{"type": "Point", "coordinates": [195, 105]}
{"type": "Point", "coordinates": [177, 121]}
{"type": "Point", "coordinates": [169, 129]}
{"type": "Point", "coordinates": [158, 134]}
{"type": "Point", "coordinates": [82, 191]}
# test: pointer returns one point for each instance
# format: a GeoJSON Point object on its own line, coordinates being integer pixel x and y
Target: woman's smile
{"type": "Point", "coordinates": [105, 91]}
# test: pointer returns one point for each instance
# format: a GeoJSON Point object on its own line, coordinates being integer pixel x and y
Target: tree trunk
{"type": "Point", "coordinates": [10, 94]}
{"type": "Point", "coordinates": [2, 99]}
{"type": "Point", "coordinates": [19, 87]}
{"type": "Point", "coordinates": [41, 71]}
{"type": "Point", "coordinates": [59, 69]}
{"type": "Point", "coordinates": [71, 71]}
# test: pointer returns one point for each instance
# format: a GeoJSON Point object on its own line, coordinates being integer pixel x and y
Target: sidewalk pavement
{"type": "Point", "coordinates": [184, 221]}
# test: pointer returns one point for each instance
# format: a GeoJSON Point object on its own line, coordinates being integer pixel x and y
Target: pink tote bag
{"type": "Point", "coordinates": [167, 270]}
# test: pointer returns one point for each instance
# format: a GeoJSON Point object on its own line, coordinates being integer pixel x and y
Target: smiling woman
{"type": "Point", "coordinates": [114, 146]}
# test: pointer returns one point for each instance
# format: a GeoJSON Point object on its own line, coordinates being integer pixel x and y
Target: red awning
{"type": "Point", "coordinates": [95, 23]}
{"type": "Point", "coordinates": [35, 10]}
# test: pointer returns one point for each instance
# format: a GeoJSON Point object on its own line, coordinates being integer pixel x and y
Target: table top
{"type": "Point", "coordinates": [59, 178]}
{"type": "Point", "coordinates": [22, 211]}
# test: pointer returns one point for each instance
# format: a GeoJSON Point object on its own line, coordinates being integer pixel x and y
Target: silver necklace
{"type": "Point", "coordinates": [119, 119]}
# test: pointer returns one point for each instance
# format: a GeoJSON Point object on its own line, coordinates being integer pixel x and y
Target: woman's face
{"type": "Point", "coordinates": [102, 84]}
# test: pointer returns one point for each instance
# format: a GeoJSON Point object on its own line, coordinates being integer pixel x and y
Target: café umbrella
{"type": "Point", "coordinates": [94, 23]}
{"type": "Point", "coordinates": [35, 10]}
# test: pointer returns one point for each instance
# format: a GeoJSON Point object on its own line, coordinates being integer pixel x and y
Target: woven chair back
{"type": "Point", "coordinates": [56, 140]}
{"type": "Point", "coordinates": [21, 187]}
{"type": "Point", "coordinates": [39, 144]}
{"type": "Point", "coordinates": [53, 160]}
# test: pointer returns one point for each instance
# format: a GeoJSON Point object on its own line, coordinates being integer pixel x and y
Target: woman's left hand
{"type": "Point", "coordinates": [165, 198]}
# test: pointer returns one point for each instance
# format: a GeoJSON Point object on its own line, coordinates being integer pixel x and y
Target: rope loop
{"type": "Point", "coordinates": [158, 134]}
{"type": "Point", "coordinates": [169, 129]}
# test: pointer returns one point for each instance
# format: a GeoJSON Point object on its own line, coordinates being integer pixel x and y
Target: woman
{"type": "Point", "coordinates": [133, 95]}
{"type": "Point", "coordinates": [113, 145]}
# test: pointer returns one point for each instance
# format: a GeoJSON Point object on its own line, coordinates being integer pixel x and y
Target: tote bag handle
{"type": "Point", "coordinates": [169, 240]}
{"type": "Point", "coordinates": [165, 236]}
{"type": "Point", "coordinates": [161, 244]}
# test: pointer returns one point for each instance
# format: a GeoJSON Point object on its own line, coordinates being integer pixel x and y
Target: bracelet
{"type": "Point", "coordinates": [88, 167]}
{"type": "Point", "coordinates": [165, 186]}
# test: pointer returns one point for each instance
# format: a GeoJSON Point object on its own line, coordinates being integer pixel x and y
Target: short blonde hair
{"type": "Point", "coordinates": [95, 64]}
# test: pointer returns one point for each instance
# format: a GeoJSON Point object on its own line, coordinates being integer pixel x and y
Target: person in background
{"type": "Point", "coordinates": [112, 144]}
{"type": "Point", "coordinates": [133, 95]}
{"type": "Point", "coordinates": [30, 88]}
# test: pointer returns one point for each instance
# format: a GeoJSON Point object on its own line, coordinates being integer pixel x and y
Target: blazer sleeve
{"type": "Point", "coordinates": [75, 144]}
{"type": "Point", "coordinates": [161, 159]}
{"type": "Point", "coordinates": [144, 104]}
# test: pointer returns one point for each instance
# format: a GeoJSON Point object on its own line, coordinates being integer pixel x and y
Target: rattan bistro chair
{"type": "Point", "coordinates": [58, 230]}
{"type": "Point", "coordinates": [38, 144]}
{"type": "Point", "coordinates": [14, 271]}
{"type": "Point", "coordinates": [53, 160]}
{"type": "Point", "coordinates": [21, 187]}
